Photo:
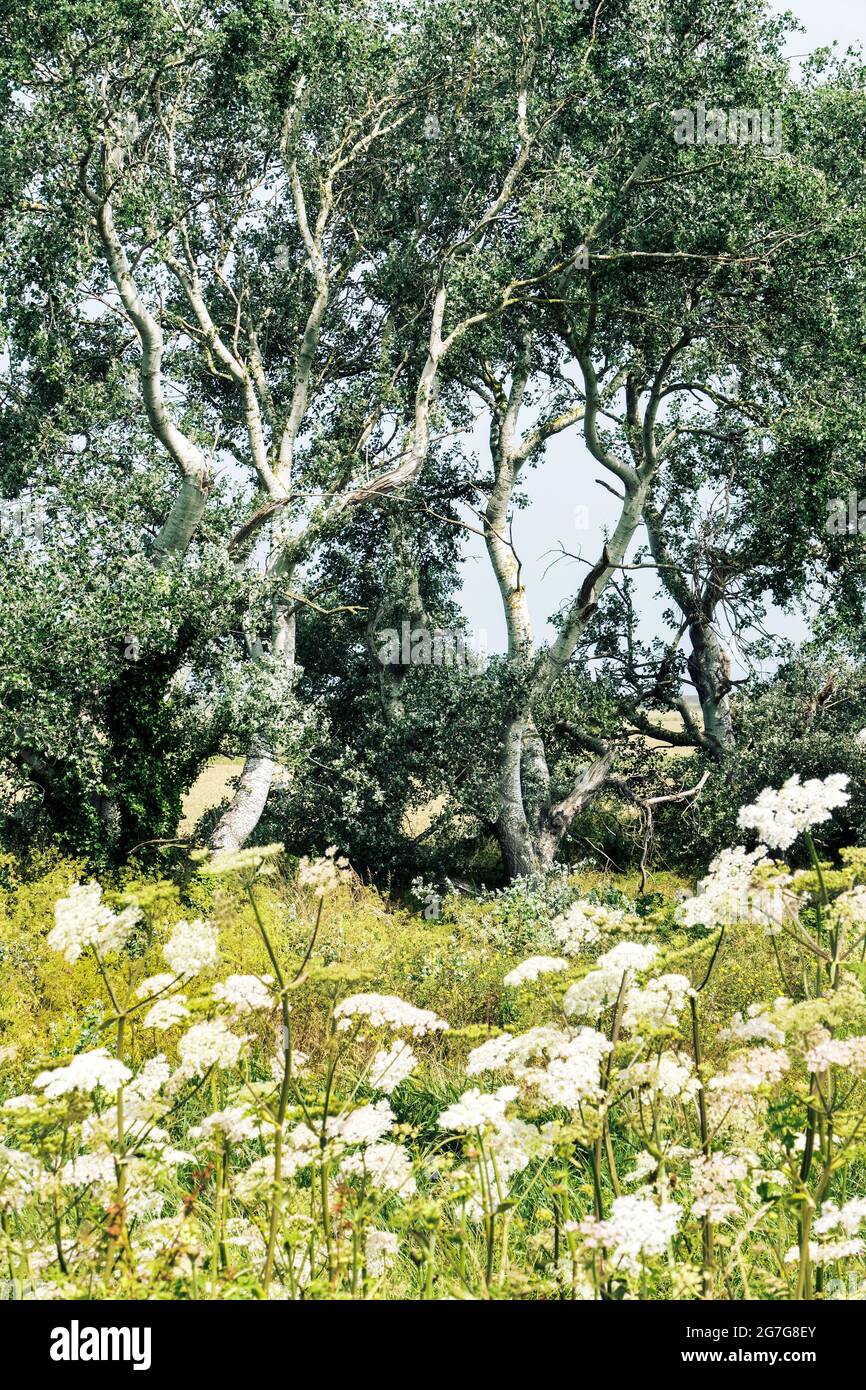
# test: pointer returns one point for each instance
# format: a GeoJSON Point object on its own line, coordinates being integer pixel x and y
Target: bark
{"type": "Point", "coordinates": [559, 818]}
{"type": "Point", "coordinates": [181, 523]}
{"type": "Point", "coordinates": [709, 669]}
{"type": "Point", "coordinates": [513, 831]}
{"type": "Point", "coordinates": [708, 663]}
{"type": "Point", "coordinates": [531, 826]}
{"type": "Point", "coordinates": [243, 815]}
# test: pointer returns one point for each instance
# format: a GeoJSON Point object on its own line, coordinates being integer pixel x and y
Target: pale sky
{"type": "Point", "coordinates": [562, 489]}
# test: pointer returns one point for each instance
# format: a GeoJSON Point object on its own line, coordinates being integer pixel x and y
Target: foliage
{"type": "Point", "coordinates": [265, 1126]}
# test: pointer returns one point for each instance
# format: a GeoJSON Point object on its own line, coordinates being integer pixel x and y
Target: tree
{"type": "Point", "coordinates": [703, 270]}
{"type": "Point", "coordinates": [234, 189]}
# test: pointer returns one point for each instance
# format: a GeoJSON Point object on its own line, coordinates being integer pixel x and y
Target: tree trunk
{"type": "Point", "coordinates": [243, 815]}
{"type": "Point", "coordinates": [559, 818]}
{"type": "Point", "coordinates": [709, 670]}
{"type": "Point", "coordinates": [181, 523]}
{"type": "Point", "coordinates": [513, 830]}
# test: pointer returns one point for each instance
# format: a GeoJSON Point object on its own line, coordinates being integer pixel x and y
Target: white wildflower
{"type": "Point", "coordinates": [826, 1051]}
{"type": "Point", "coordinates": [714, 1183]}
{"type": "Point", "coordinates": [582, 925]}
{"type": "Point", "coordinates": [155, 984]}
{"type": "Point", "coordinates": [475, 1110]}
{"type": "Point", "coordinates": [192, 947]}
{"type": "Point", "coordinates": [381, 1249]}
{"type": "Point", "coordinates": [244, 993]}
{"type": "Point", "coordinates": [387, 1011]}
{"type": "Point", "coordinates": [86, 1072]}
{"type": "Point", "coordinates": [627, 955]}
{"type": "Point", "coordinates": [82, 920]}
{"type": "Point", "coordinates": [670, 1075]}
{"type": "Point", "coordinates": [234, 1124]}
{"type": "Point", "coordinates": [226, 861]}
{"type": "Point", "coordinates": [89, 1169]}
{"type": "Point", "coordinates": [659, 1004]}
{"type": "Point", "coordinates": [530, 969]}
{"type": "Point", "coordinates": [779, 816]}
{"type": "Point", "coordinates": [638, 1228]}
{"type": "Point", "coordinates": [389, 1069]}
{"type": "Point", "coordinates": [493, 1055]}
{"type": "Point", "coordinates": [206, 1045]}
{"type": "Point", "coordinates": [572, 1077]}
{"type": "Point", "coordinates": [323, 875]}
{"type": "Point", "coordinates": [755, 1027]}
{"type": "Point", "coordinates": [165, 1013]}
{"type": "Point", "coordinates": [385, 1166]}
{"type": "Point", "coordinates": [730, 892]}
{"type": "Point", "coordinates": [761, 1066]}
{"type": "Point", "coordinates": [365, 1125]}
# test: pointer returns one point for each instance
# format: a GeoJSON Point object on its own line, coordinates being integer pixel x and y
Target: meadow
{"type": "Point", "coordinates": [260, 1078]}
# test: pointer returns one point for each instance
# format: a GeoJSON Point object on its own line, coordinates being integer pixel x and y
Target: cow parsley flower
{"type": "Point", "coordinates": [849, 908]}
{"type": "Point", "coordinates": [389, 1069]}
{"type": "Point", "coordinates": [627, 955]}
{"type": "Point", "coordinates": [848, 1218]}
{"type": "Point", "coordinates": [206, 1045]}
{"type": "Point", "coordinates": [658, 1005]}
{"type": "Point", "coordinates": [88, 1169]}
{"type": "Point", "coordinates": [638, 1228]}
{"type": "Point", "coordinates": [165, 1013]}
{"type": "Point", "coordinates": [475, 1110]}
{"type": "Point", "coordinates": [755, 1027]}
{"type": "Point", "coordinates": [530, 969]}
{"type": "Point", "coordinates": [387, 1011]}
{"type": "Point", "coordinates": [244, 993]}
{"type": "Point", "coordinates": [582, 926]}
{"type": "Point", "coordinates": [154, 984]}
{"type": "Point", "coordinates": [82, 920]}
{"type": "Point", "coordinates": [323, 875]}
{"type": "Point", "coordinates": [20, 1178]}
{"type": "Point", "coordinates": [826, 1051]}
{"type": "Point", "coordinates": [493, 1055]}
{"type": "Point", "coordinates": [779, 816]}
{"type": "Point", "coordinates": [732, 893]}
{"type": "Point", "coordinates": [670, 1075]}
{"type": "Point", "coordinates": [600, 988]}
{"type": "Point", "coordinates": [591, 995]}
{"type": "Point", "coordinates": [86, 1072]}
{"type": "Point", "coordinates": [385, 1166]}
{"type": "Point", "coordinates": [191, 948]}
{"type": "Point", "coordinates": [572, 1076]}
{"type": "Point", "coordinates": [234, 1124]}
{"type": "Point", "coordinates": [381, 1249]}
{"type": "Point", "coordinates": [827, 1252]}
{"type": "Point", "coordinates": [714, 1184]}
{"type": "Point", "coordinates": [746, 1074]}
{"type": "Point", "coordinates": [365, 1125]}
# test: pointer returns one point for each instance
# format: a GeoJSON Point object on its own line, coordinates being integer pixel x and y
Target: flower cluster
{"type": "Point", "coordinates": [82, 921]}
{"type": "Point", "coordinates": [780, 816]}
{"type": "Point", "coordinates": [191, 948]}
{"type": "Point", "coordinates": [639, 1227]}
{"type": "Point", "coordinates": [529, 970]}
{"type": "Point", "coordinates": [582, 926]}
{"type": "Point", "coordinates": [742, 886]}
{"type": "Point", "coordinates": [387, 1011]}
{"type": "Point", "coordinates": [323, 875]}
